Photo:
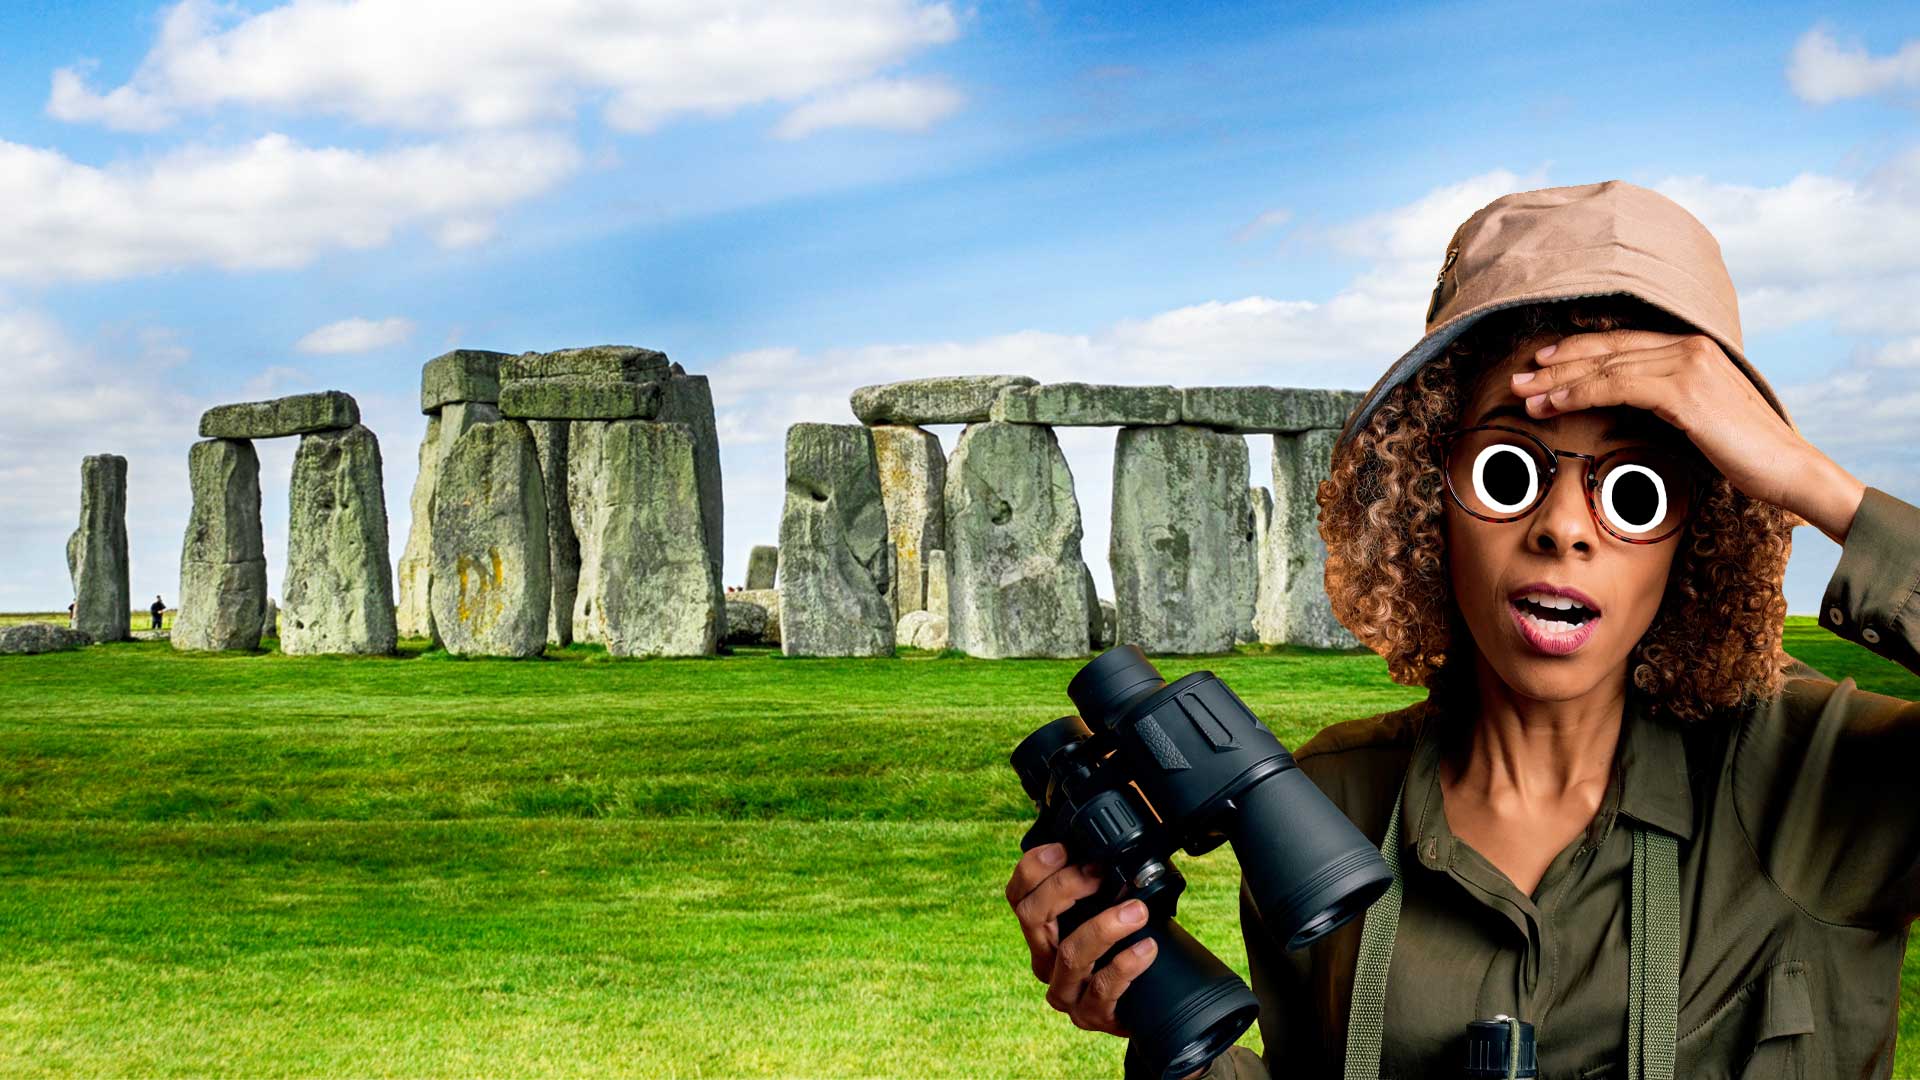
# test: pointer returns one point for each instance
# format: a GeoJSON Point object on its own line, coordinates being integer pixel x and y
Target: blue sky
{"type": "Point", "coordinates": [815, 196]}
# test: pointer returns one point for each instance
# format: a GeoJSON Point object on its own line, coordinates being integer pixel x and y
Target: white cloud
{"type": "Point", "coordinates": [355, 335]}
{"type": "Point", "coordinates": [502, 63]}
{"type": "Point", "coordinates": [267, 204]}
{"type": "Point", "coordinates": [890, 104]}
{"type": "Point", "coordinates": [1822, 71]}
{"type": "Point", "coordinates": [1270, 219]}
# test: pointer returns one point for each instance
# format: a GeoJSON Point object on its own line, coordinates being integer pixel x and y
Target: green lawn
{"type": "Point", "coordinates": [262, 865]}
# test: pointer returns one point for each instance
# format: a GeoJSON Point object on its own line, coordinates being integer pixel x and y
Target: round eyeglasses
{"type": "Point", "coordinates": [1638, 494]}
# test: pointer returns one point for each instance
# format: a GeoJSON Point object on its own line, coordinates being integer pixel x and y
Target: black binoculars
{"type": "Point", "coordinates": [1149, 767]}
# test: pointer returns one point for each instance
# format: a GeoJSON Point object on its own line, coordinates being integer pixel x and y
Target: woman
{"type": "Point", "coordinates": [1567, 513]}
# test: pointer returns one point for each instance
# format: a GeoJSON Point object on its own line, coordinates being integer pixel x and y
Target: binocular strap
{"type": "Point", "coordinates": [1653, 960]}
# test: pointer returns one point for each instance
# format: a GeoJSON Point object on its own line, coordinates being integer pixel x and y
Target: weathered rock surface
{"type": "Point", "coordinates": [223, 562]}
{"type": "Point", "coordinates": [937, 592]}
{"type": "Point", "coordinates": [339, 582]}
{"type": "Point", "coordinates": [1016, 582]}
{"type": "Point", "coordinates": [746, 621]}
{"type": "Point", "coordinates": [647, 587]}
{"type": "Point", "coordinates": [1109, 626]}
{"type": "Point", "coordinates": [686, 399]}
{"type": "Point", "coordinates": [460, 375]}
{"type": "Point", "coordinates": [1261, 502]}
{"type": "Point", "coordinates": [414, 616]}
{"type": "Point", "coordinates": [1258, 409]}
{"type": "Point", "coordinates": [490, 586]}
{"type": "Point", "coordinates": [922, 630]}
{"type": "Point", "coordinates": [768, 600]}
{"type": "Point", "coordinates": [36, 637]}
{"type": "Point", "coordinates": [97, 551]}
{"type": "Point", "coordinates": [1301, 613]}
{"type": "Point", "coordinates": [270, 622]}
{"type": "Point", "coordinates": [300, 414]}
{"type": "Point", "coordinates": [763, 566]}
{"type": "Point", "coordinates": [602, 382]}
{"type": "Point", "coordinates": [1076, 404]}
{"type": "Point", "coordinates": [836, 558]}
{"type": "Point", "coordinates": [1180, 537]}
{"type": "Point", "coordinates": [1093, 608]}
{"type": "Point", "coordinates": [913, 481]}
{"type": "Point", "coordinates": [563, 547]}
{"type": "Point", "coordinates": [945, 399]}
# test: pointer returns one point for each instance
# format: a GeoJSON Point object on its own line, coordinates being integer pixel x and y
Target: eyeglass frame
{"type": "Point", "coordinates": [1442, 442]}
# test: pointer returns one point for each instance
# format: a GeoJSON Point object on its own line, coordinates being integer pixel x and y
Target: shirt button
{"type": "Point", "coordinates": [1870, 636]}
{"type": "Point", "coordinates": [1833, 615]}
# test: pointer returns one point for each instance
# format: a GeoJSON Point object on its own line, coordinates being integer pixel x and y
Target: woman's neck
{"type": "Point", "coordinates": [1525, 751]}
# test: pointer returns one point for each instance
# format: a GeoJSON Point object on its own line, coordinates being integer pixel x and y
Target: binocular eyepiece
{"type": "Point", "coordinates": [1148, 767]}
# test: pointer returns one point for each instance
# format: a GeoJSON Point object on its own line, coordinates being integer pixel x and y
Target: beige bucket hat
{"type": "Point", "coordinates": [1586, 240]}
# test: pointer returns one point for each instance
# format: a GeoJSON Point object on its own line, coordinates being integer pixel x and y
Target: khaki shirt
{"type": "Point", "coordinates": [1799, 830]}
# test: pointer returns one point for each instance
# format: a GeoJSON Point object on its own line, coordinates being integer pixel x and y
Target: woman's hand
{"type": "Point", "coordinates": [1041, 890]}
{"type": "Point", "coordinates": [1688, 381]}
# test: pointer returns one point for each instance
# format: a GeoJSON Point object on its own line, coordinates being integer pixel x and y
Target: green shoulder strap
{"type": "Point", "coordinates": [1653, 959]}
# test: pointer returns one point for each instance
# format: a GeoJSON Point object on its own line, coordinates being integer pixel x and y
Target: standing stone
{"type": "Point", "coordinates": [1269, 620]}
{"type": "Point", "coordinates": [836, 558]}
{"type": "Point", "coordinates": [1259, 512]}
{"type": "Point", "coordinates": [563, 547]}
{"type": "Point", "coordinates": [763, 566]}
{"type": "Point", "coordinates": [1179, 538]}
{"type": "Point", "coordinates": [1093, 609]}
{"type": "Point", "coordinates": [414, 616]}
{"type": "Point", "coordinates": [223, 561]}
{"type": "Point", "coordinates": [937, 576]}
{"type": "Point", "coordinates": [686, 399]}
{"type": "Point", "coordinates": [490, 585]}
{"type": "Point", "coordinates": [339, 582]}
{"type": "Point", "coordinates": [1109, 627]}
{"type": "Point", "coordinates": [97, 551]}
{"type": "Point", "coordinates": [1017, 584]}
{"type": "Point", "coordinates": [913, 480]}
{"type": "Point", "coordinates": [270, 623]}
{"type": "Point", "coordinates": [1305, 615]}
{"type": "Point", "coordinates": [647, 586]}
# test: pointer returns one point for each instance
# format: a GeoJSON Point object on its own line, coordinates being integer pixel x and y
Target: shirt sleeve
{"type": "Point", "coordinates": [1823, 774]}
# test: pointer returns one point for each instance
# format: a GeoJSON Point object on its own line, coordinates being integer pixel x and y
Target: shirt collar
{"type": "Point", "coordinates": [1649, 784]}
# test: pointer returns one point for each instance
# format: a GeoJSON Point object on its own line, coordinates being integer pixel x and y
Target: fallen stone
{"type": "Point", "coordinates": [1016, 582]}
{"type": "Point", "coordinates": [913, 481]}
{"type": "Point", "coordinates": [763, 566]}
{"type": "Point", "coordinates": [563, 547]}
{"type": "Point", "coordinates": [223, 561]}
{"type": "Point", "coordinates": [490, 585]}
{"type": "Point", "coordinates": [460, 375]}
{"type": "Point", "coordinates": [25, 639]}
{"type": "Point", "coordinates": [97, 551]}
{"type": "Point", "coordinates": [922, 630]}
{"type": "Point", "coordinates": [768, 600]}
{"type": "Point", "coordinates": [686, 399]}
{"type": "Point", "coordinates": [945, 399]}
{"type": "Point", "coordinates": [339, 582]}
{"type": "Point", "coordinates": [746, 621]}
{"type": "Point", "coordinates": [1179, 538]}
{"type": "Point", "coordinates": [1075, 404]}
{"type": "Point", "coordinates": [1301, 613]}
{"type": "Point", "coordinates": [836, 559]}
{"type": "Point", "coordinates": [414, 616]}
{"type": "Point", "coordinates": [647, 587]}
{"type": "Point", "coordinates": [301, 414]}
{"type": "Point", "coordinates": [1252, 410]}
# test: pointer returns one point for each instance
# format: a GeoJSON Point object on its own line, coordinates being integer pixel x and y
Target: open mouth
{"type": "Point", "coordinates": [1553, 625]}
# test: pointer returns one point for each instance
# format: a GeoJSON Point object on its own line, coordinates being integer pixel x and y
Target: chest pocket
{"type": "Point", "coordinates": [1761, 1032]}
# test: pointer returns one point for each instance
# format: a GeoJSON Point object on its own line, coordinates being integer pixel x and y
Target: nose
{"type": "Point", "coordinates": [1563, 523]}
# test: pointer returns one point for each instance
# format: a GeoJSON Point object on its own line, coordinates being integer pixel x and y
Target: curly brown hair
{"type": "Point", "coordinates": [1715, 640]}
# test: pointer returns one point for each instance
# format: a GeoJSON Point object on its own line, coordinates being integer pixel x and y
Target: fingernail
{"type": "Point", "coordinates": [1143, 947]}
{"type": "Point", "coordinates": [1557, 396]}
{"type": "Point", "coordinates": [1133, 913]}
{"type": "Point", "coordinates": [1053, 854]}
{"type": "Point", "coordinates": [1522, 377]}
{"type": "Point", "coordinates": [1546, 352]}
{"type": "Point", "coordinates": [1535, 400]}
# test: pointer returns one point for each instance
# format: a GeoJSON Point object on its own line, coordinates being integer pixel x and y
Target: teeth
{"type": "Point", "coordinates": [1557, 603]}
{"type": "Point", "coordinates": [1553, 627]}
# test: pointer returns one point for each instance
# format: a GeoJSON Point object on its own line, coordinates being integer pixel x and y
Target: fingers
{"type": "Point", "coordinates": [1545, 379]}
{"type": "Point", "coordinates": [1642, 384]}
{"type": "Point", "coordinates": [1074, 960]}
{"type": "Point", "coordinates": [1600, 342]}
{"type": "Point", "coordinates": [1040, 909]}
{"type": "Point", "coordinates": [1104, 989]}
{"type": "Point", "coordinates": [1033, 868]}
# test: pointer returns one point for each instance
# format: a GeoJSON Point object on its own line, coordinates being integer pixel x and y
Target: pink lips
{"type": "Point", "coordinates": [1548, 643]}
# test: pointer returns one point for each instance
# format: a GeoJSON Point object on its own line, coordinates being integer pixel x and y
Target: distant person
{"type": "Point", "coordinates": [158, 607]}
{"type": "Point", "coordinates": [72, 615]}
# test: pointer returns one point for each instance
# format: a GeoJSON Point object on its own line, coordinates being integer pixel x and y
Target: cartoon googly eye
{"type": "Point", "coordinates": [1634, 498]}
{"type": "Point", "coordinates": [1505, 478]}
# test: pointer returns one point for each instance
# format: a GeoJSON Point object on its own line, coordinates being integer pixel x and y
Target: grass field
{"type": "Point", "coordinates": [263, 865]}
